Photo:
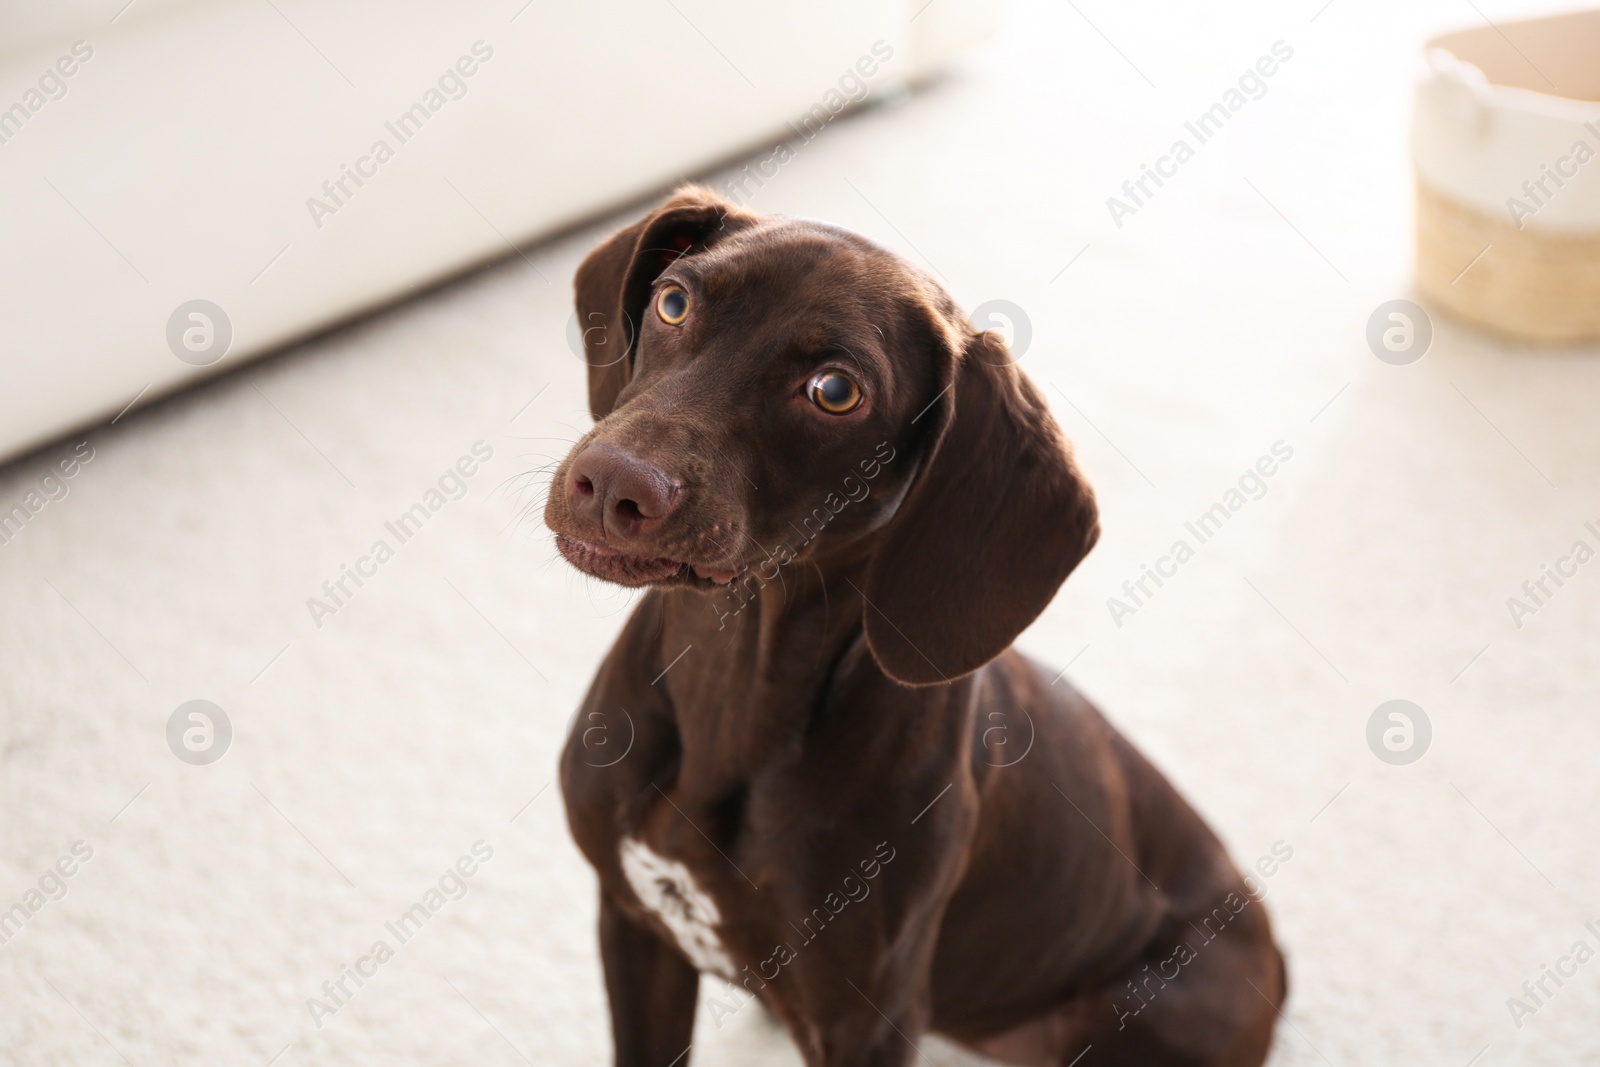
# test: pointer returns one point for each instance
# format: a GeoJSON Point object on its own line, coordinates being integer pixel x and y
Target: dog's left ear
{"type": "Point", "coordinates": [613, 282]}
{"type": "Point", "coordinates": [997, 518]}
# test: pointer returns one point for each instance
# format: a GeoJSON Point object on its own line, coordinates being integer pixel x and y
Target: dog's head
{"type": "Point", "coordinates": [773, 389]}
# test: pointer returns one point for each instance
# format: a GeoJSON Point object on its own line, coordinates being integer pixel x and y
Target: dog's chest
{"type": "Point", "coordinates": [668, 889]}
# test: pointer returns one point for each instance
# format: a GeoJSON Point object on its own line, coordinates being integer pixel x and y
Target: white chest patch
{"type": "Point", "coordinates": [666, 887]}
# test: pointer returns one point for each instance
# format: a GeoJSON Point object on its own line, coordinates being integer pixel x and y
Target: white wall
{"type": "Point", "coordinates": [176, 161]}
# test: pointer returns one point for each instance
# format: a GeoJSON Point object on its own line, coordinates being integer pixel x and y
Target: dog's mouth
{"type": "Point", "coordinates": [607, 563]}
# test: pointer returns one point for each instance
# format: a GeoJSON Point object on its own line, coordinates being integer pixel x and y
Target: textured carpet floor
{"type": "Point", "coordinates": [372, 747]}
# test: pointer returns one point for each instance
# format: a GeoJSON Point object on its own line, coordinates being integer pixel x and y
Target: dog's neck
{"type": "Point", "coordinates": [745, 691]}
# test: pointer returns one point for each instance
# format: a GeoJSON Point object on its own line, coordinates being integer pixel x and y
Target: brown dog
{"type": "Point", "coordinates": [847, 504]}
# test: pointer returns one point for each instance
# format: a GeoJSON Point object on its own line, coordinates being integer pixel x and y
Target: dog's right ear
{"type": "Point", "coordinates": [998, 516]}
{"type": "Point", "coordinates": [613, 283]}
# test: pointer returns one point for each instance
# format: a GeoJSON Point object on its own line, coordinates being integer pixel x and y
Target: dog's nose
{"type": "Point", "coordinates": [619, 492]}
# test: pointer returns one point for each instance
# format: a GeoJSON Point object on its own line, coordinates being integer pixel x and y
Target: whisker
{"type": "Point", "coordinates": [822, 637]}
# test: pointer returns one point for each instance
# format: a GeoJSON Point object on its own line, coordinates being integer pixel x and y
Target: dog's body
{"type": "Point", "coordinates": [829, 781]}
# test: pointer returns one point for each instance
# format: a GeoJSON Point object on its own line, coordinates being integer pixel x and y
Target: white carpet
{"type": "Point", "coordinates": [1228, 313]}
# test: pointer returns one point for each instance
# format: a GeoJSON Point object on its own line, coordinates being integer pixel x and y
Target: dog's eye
{"type": "Point", "coordinates": [672, 304]}
{"type": "Point", "coordinates": [835, 393]}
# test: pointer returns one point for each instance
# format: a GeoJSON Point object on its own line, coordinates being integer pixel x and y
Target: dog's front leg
{"type": "Point", "coordinates": [856, 992]}
{"type": "Point", "coordinates": [867, 1035]}
{"type": "Point", "coordinates": [652, 989]}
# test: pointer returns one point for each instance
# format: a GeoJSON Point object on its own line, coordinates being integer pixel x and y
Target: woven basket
{"type": "Point", "coordinates": [1506, 142]}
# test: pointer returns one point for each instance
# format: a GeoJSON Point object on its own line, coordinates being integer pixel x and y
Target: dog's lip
{"type": "Point", "coordinates": [603, 561]}
{"type": "Point", "coordinates": [720, 575]}
{"type": "Point", "coordinates": [613, 565]}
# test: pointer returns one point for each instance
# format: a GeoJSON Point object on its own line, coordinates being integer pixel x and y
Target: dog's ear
{"type": "Point", "coordinates": [614, 281]}
{"type": "Point", "coordinates": [996, 519]}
